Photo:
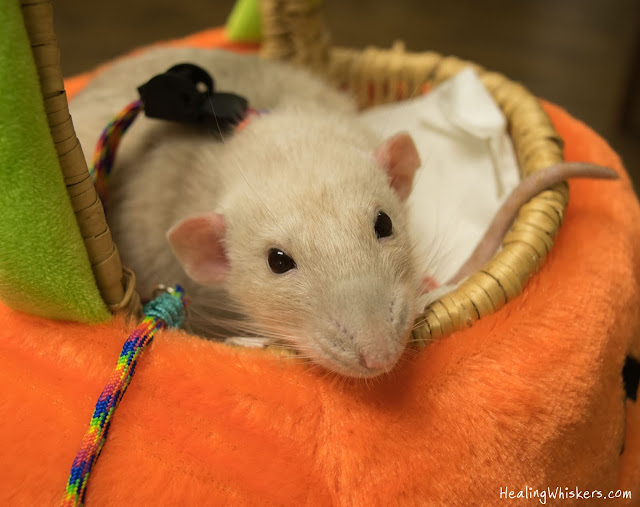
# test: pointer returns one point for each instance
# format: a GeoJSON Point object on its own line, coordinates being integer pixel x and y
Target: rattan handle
{"type": "Point", "coordinates": [114, 285]}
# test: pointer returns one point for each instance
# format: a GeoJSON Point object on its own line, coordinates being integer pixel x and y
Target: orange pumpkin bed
{"type": "Point", "coordinates": [529, 397]}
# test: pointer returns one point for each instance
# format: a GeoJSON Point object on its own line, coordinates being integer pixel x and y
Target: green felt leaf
{"type": "Point", "coordinates": [245, 23]}
{"type": "Point", "coordinates": [44, 268]}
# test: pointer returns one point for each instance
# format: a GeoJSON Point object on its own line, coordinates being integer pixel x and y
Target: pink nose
{"type": "Point", "coordinates": [373, 361]}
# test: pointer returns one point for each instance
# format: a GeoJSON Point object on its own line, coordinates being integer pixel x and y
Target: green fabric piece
{"type": "Point", "coordinates": [244, 23]}
{"type": "Point", "coordinates": [44, 268]}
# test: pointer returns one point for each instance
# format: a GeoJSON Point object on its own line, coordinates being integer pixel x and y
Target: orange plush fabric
{"type": "Point", "coordinates": [530, 397]}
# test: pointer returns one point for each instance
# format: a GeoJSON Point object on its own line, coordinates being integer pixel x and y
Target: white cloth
{"type": "Point", "coordinates": [468, 167]}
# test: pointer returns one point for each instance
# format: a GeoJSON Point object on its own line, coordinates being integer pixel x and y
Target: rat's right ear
{"type": "Point", "coordinates": [399, 157]}
{"type": "Point", "coordinates": [197, 243]}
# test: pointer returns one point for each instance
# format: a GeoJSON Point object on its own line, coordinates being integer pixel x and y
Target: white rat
{"type": "Point", "coordinates": [299, 217]}
{"type": "Point", "coordinates": [297, 222]}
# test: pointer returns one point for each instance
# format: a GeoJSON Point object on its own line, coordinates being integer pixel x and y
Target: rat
{"type": "Point", "coordinates": [294, 228]}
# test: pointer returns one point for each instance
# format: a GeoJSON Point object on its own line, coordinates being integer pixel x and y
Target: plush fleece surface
{"type": "Point", "coordinates": [530, 397]}
{"type": "Point", "coordinates": [44, 268]}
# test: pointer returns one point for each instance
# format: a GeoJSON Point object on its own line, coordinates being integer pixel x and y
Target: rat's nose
{"type": "Point", "coordinates": [377, 361]}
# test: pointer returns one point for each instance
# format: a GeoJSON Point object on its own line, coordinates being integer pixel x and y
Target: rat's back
{"type": "Point", "coordinates": [163, 171]}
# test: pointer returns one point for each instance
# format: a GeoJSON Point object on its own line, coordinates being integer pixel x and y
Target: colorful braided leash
{"type": "Point", "coordinates": [105, 152]}
{"type": "Point", "coordinates": [167, 310]}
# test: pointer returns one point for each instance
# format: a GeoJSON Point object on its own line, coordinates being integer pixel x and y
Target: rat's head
{"type": "Point", "coordinates": [326, 264]}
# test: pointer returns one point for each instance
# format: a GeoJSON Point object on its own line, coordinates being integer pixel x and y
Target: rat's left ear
{"type": "Point", "coordinates": [399, 157]}
{"type": "Point", "coordinates": [198, 244]}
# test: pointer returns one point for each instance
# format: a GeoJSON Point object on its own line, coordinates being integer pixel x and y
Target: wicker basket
{"type": "Point", "coordinates": [294, 31]}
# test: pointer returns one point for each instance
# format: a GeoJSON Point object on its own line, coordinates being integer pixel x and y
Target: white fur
{"type": "Point", "coordinates": [301, 178]}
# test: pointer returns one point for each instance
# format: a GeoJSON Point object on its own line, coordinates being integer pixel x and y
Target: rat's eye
{"type": "Point", "coordinates": [280, 262]}
{"type": "Point", "coordinates": [383, 226]}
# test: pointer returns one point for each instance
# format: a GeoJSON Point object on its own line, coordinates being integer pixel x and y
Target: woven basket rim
{"type": "Point", "coordinates": [377, 76]}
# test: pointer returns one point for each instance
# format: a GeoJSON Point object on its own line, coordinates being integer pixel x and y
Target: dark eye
{"type": "Point", "coordinates": [383, 226]}
{"type": "Point", "coordinates": [280, 262]}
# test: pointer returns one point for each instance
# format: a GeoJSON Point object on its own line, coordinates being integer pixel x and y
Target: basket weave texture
{"type": "Point", "coordinates": [294, 31]}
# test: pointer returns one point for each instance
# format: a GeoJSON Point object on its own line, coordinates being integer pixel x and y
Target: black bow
{"type": "Point", "coordinates": [185, 93]}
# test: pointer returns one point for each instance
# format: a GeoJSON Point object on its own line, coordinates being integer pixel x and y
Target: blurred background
{"type": "Point", "coordinates": [581, 54]}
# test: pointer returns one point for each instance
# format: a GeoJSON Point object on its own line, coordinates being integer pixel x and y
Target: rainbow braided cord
{"type": "Point", "coordinates": [105, 151]}
{"type": "Point", "coordinates": [167, 310]}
